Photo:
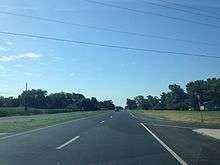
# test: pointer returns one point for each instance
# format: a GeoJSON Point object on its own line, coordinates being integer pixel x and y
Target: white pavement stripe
{"type": "Point", "coordinates": [46, 127]}
{"type": "Point", "coordinates": [38, 129]}
{"type": "Point", "coordinates": [177, 157]}
{"type": "Point", "coordinates": [174, 126]}
{"type": "Point", "coordinates": [65, 144]}
{"type": "Point", "coordinates": [101, 122]}
{"type": "Point", "coordinates": [131, 114]}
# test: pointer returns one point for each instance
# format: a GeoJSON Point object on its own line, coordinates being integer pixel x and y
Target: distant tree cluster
{"type": "Point", "coordinates": [198, 93]}
{"type": "Point", "coordinates": [9, 102]}
{"type": "Point", "coordinates": [38, 98]}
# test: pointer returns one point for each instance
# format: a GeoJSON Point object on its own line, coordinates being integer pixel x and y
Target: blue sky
{"type": "Point", "coordinates": [106, 73]}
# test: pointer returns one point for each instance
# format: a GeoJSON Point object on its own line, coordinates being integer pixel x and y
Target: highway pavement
{"type": "Point", "coordinates": [115, 138]}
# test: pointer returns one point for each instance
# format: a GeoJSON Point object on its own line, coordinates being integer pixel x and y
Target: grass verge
{"type": "Point", "coordinates": [12, 111]}
{"type": "Point", "coordinates": [204, 117]}
{"type": "Point", "coordinates": [23, 123]}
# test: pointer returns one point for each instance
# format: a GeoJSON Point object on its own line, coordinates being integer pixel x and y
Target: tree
{"type": "Point", "coordinates": [107, 104]}
{"type": "Point", "coordinates": [57, 100]}
{"type": "Point", "coordinates": [86, 104]}
{"type": "Point", "coordinates": [197, 89]}
{"type": "Point", "coordinates": [163, 100]}
{"type": "Point", "coordinates": [35, 98]}
{"type": "Point", "coordinates": [2, 101]}
{"type": "Point", "coordinates": [95, 103]}
{"type": "Point", "coordinates": [38, 98]}
{"type": "Point", "coordinates": [213, 92]}
{"type": "Point", "coordinates": [77, 96]}
{"type": "Point", "coordinates": [177, 98]}
{"type": "Point", "coordinates": [141, 102]}
{"type": "Point", "coordinates": [131, 104]}
{"type": "Point", "coordinates": [153, 102]}
{"type": "Point", "coordinates": [9, 102]}
{"type": "Point", "coordinates": [207, 91]}
{"type": "Point", "coordinates": [83, 104]}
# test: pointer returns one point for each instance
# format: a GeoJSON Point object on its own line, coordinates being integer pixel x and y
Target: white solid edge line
{"type": "Point", "coordinates": [177, 157]}
{"type": "Point", "coordinates": [46, 127]}
{"type": "Point", "coordinates": [68, 142]}
{"type": "Point", "coordinates": [131, 114]}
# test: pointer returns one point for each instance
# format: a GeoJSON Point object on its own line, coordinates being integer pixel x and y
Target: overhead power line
{"type": "Point", "coordinates": [186, 6]}
{"type": "Point", "coordinates": [107, 29]}
{"type": "Point", "coordinates": [107, 45]}
{"type": "Point", "coordinates": [178, 9]}
{"type": "Point", "coordinates": [151, 13]}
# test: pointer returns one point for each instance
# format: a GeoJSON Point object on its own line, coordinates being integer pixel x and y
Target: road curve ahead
{"type": "Point", "coordinates": [112, 138]}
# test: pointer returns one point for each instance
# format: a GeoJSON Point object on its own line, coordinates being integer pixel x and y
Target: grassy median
{"type": "Point", "coordinates": [206, 117]}
{"type": "Point", "coordinates": [12, 111]}
{"type": "Point", "coordinates": [22, 123]}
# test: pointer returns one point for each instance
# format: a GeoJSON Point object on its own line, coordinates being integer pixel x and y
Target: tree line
{"type": "Point", "coordinates": [199, 93]}
{"type": "Point", "coordinates": [38, 98]}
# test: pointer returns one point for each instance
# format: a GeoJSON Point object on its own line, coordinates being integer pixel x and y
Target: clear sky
{"type": "Point", "coordinates": [106, 73]}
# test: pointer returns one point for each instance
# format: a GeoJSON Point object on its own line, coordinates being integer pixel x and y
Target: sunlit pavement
{"type": "Point", "coordinates": [114, 138]}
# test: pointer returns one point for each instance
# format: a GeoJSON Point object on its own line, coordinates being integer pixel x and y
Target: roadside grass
{"type": "Point", "coordinates": [23, 123]}
{"type": "Point", "coordinates": [12, 111]}
{"type": "Point", "coordinates": [209, 117]}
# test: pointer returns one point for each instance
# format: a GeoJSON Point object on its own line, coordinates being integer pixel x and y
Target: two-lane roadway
{"type": "Point", "coordinates": [112, 138]}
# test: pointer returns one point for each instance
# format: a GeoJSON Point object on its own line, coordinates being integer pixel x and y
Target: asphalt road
{"type": "Point", "coordinates": [112, 138]}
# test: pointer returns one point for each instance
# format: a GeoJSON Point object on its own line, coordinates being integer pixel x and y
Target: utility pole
{"type": "Point", "coordinates": [25, 99]}
{"type": "Point", "coordinates": [199, 103]}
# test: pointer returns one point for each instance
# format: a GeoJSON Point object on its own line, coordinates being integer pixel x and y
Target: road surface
{"type": "Point", "coordinates": [110, 139]}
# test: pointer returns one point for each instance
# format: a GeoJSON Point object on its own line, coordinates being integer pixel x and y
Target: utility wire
{"type": "Point", "coordinates": [177, 9]}
{"type": "Point", "coordinates": [108, 29]}
{"type": "Point", "coordinates": [151, 13]}
{"type": "Point", "coordinates": [186, 6]}
{"type": "Point", "coordinates": [107, 45]}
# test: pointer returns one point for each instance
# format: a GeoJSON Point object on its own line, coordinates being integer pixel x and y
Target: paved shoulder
{"type": "Point", "coordinates": [191, 146]}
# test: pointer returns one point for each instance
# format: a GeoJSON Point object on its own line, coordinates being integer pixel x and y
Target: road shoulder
{"type": "Point", "coordinates": [180, 137]}
{"type": "Point", "coordinates": [214, 133]}
{"type": "Point", "coordinates": [35, 122]}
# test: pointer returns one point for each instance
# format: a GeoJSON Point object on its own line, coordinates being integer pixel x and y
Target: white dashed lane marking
{"type": "Point", "coordinates": [68, 142]}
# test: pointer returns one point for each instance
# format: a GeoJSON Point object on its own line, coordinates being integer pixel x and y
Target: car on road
{"type": "Point", "coordinates": [116, 109]}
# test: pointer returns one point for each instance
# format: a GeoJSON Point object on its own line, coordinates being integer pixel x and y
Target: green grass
{"type": "Point", "coordinates": [209, 117]}
{"type": "Point", "coordinates": [22, 123]}
{"type": "Point", "coordinates": [12, 111]}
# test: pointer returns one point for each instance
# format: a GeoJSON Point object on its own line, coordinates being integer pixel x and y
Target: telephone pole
{"type": "Point", "coordinates": [25, 99]}
{"type": "Point", "coordinates": [200, 108]}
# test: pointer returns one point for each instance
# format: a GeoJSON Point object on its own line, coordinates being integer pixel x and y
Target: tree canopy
{"type": "Point", "coordinates": [198, 93]}
{"type": "Point", "coordinates": [38, 98]}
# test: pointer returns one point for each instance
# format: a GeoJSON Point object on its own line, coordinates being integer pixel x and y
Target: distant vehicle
{"type": "Point", "coordinates": [116, 109]}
